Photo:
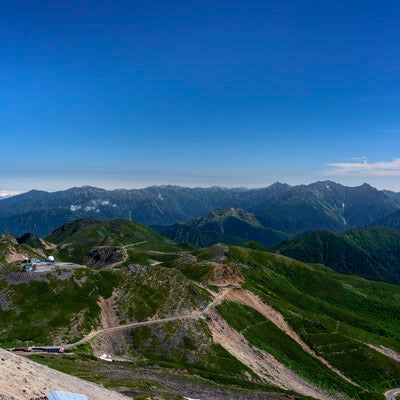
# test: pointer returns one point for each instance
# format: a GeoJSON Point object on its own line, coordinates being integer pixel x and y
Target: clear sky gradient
{"type": "Point", "coordinates": [199, 93]}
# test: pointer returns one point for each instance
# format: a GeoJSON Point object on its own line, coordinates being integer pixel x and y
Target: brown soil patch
{"type": "Point", "coordinates": [48, 245]}
{"type": "Point", "coordinates": [115, 342]}
{"type": "Point", "coordinates": [250, 299]}
{"type": "Point", "coordinates": [223, 275]}
{"type": "Point", "coordinates": [108, 316]}
{"type": "Point", "coordinates": [260, 362]}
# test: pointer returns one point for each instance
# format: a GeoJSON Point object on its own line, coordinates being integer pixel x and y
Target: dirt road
{"type": "Point", "coordinates": [195, 314]}
{"type": "Point", "coordinates": [392, 394]}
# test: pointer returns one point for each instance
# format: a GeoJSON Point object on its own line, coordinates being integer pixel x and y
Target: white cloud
{"type": "Point", "coordinates": [362, 167]}
{"type": "Point", "coordinates": [7, 193]}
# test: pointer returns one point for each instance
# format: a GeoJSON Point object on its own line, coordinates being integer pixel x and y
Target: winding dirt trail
{"type": "Point", "coordinates": [260, 362]}
{"type": "Point", "coordinates": [192, 315]}
{"type": "Point", "coordinates": [124, 254]}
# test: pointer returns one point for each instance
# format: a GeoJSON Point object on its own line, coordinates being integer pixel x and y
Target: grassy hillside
{"type": "Point", "coordinates": [11, 250]}
{"type": "Point", "coordinates": [336, 315]}
{"type": "Point", "coordinates": [50, 308]}
{"type": "Point", "coordinates": [62, 306]}
{"type": "Point", "coordinates": [373, 253]}
{"type": "Point", "coordinates": [174, 290]}
{"type": "Point", "coordinates": [230, 225]}
{"type": "Point", "coordinates": [89, 231]}
{"type": "Point", "coordinates": [31, 240]}
{"type": "Point", "coordinates": [77, 238]}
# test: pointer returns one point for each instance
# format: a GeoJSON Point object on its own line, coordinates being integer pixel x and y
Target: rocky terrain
{"type": "Point", "coordinates": [223, 322]}
{"type": "Point", "coordinates": [23, 379]}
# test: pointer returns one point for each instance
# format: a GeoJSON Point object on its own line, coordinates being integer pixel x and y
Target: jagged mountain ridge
{"type": "Point", "coordinates": [291, 209]}
{"type": "Point", "coordinates": [325, 205]}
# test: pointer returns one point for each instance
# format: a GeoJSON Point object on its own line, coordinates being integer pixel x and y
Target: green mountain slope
{"type": "Point", "coordinates": [92, 231]}
{"type": "Point", "coordinates": [31, 240]}
{"type": "Point", "coordinates": [373, 253]}
{"type": "Point", "coordinates": [228, 225]}
{"type": "Point", "coordinates": [11, 250]}
{"type": "Point", "coordinates": [231, 321]}
{"type": "Point", "coordinates": [81, 238]}
{"type": "Point", "coordinates": [334, 314]}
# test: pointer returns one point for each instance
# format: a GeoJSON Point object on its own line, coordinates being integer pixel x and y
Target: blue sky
{"type": "Point", "coordinates": [199, 93]}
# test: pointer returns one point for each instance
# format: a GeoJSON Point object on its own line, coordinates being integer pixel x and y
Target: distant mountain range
{"type": "Point", "coordinates": [279, 207]}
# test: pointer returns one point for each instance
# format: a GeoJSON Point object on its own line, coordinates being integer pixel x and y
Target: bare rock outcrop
{"type": "Point", "coordinates": [23, 379]}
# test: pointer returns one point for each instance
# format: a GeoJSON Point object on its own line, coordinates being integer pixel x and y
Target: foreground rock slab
{"type": "Point", "coordinates": [23, 379]}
